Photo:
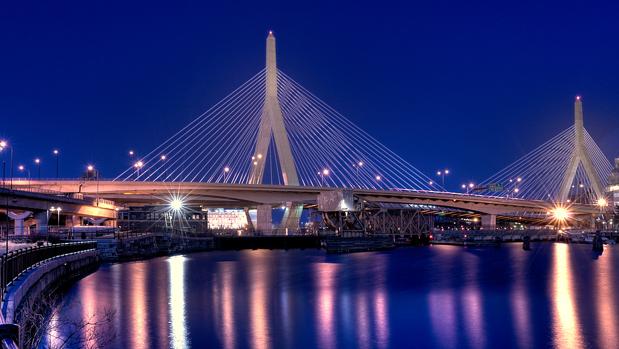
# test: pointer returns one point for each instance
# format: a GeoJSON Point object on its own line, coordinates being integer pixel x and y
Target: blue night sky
{"type": "Point", "coordinates": [468, 86]}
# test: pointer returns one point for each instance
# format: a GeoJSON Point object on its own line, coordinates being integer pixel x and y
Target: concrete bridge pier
{"type": "Point", "coordinates": [74, 220]}
{"type": "Point", "coordinates": [488, 221]}
{"type": "Point", "coordinates": [19, 218]}
{"type": "Point", "coordinates": [264, 219]}
{"type": "Point", "coordinates": [41, 220]}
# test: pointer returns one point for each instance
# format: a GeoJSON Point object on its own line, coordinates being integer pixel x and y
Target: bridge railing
{"type": "Point", "coordinates": [16, 262]}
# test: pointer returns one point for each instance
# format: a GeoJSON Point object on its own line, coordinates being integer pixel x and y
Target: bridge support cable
{"type": "Point", "coordinates": [271, 130]}
{"type": "Point", "coordinates": [570, 167]}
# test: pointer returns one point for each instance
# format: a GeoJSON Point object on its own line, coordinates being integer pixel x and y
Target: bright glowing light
{"type": "Point", "coordinates": [430, 182]}
{"type": "Point", "coordinates": [226, 169]}
{"type": "Point", "coordinates": [602, 202]}
{"type": "Point", "coordinates": [463, 186]}
{"type": "Point", "coordinates": [259, 156]}
{"type": "Point", "coordinates": [438, 173]}
{"type": "Point", "coordinates": [378, 178]}
{"type": "Point", "coordinates": [138, 164]}
{"type": "Point", "coordinates": [37, 161]}
{"type": "Point", "coordinates": [90, 167]}
{"type": "Point", "coordinates": [325, 172]}
{"type": "Point", "coordinates": [55, 151]}
{"type": "Point", "coordinates": [471, 185]}
{"type": "Point", "coordinates": [3, 144]}
{"type": "Point", "coordinates": [578, 97]}
{"type": "Point", "coordinates": [516, 190]}
{"type": "Point", "coordinates": [360, 163]}
{"type": "Point", "coordinates": [446, 172]}
{"type": "Point", "coordinates": [20, 167]}
{"type": "Point", "coordinates": [519, 179]}
{"type": "Point", "coordinates": [582, 185]}
{"type": "Point", "coordinates": [131, 152]}
{"type": "Point", "coordinates": [163, 157]}
{"type": "Point", "coordinates": [176, 204]}
{"type": "Point", "coordinates": [560, 213]}
{"type": "Point", "coordinates": [255, 162]}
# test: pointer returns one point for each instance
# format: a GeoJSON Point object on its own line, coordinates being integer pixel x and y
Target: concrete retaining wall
{"type": "Point", "coordinates": [28, 288]}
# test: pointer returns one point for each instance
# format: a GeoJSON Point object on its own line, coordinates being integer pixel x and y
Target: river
{"type": "Point", "coordinates": [555, 295]}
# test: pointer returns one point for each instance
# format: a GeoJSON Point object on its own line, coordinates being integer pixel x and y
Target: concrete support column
{"type": "Point", "coordinates": [19, 218]}
{"type": "Point", "coordinates": [264, 218]}
{"type": "Point", "coordinates": [41, 219]}
{"type": "Point", "coordinates": [250, 224]}
{"type": "Point", "coordinates": [488, 221]}
{"type": "Point", "coordinates": [73, 221]}
{"type": "Point", "coordinates": [292, 217]}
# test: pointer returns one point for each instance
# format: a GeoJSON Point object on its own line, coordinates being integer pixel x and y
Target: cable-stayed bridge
{"type": "Point", "coordinates": [271, 143]}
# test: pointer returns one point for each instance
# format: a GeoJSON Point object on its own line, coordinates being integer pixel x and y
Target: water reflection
{"type": "Point", "coordinates": [226, 302]}
{"type": "Point", "coordinates": [519, 301]}
{"type": "Point", "coordinates": [472, 306]}
{"type": "Point", "coordinates": [258, 283]}
{"type": "Point", "coordinates": [325, 278]}
{"type": "Point", "coordinates": [138, 296]}
{"type": "Point", "coordinates": [176, 302]}
{"type": "Point", "coordinates": [566, 324]}
{"type": "Point", "coordinates": [444, 297]}
{"type": "Point", "coordinates": [605, 301]}
{"type": "Point", "coordinates": [381, 305]}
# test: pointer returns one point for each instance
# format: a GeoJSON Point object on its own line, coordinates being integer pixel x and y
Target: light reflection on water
{"type": "Point", "coordinates": [177, 303]}
{"type": "Point", "coordinates": [566, 325]}
{"type": "Point", "coordinates": [441, 296]}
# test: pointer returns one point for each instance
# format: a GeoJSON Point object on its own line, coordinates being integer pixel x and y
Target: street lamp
{"type": "Point", "coordinates": [138, 165]}
{"type": "Point", "coordinates": [442, 174]}
{"type": "Point", "coordinates": [163, 159]}
{"type": "Point", "coordinates": [325, 172]}
{"type": "Point", "coordinates": [4, 145]}
{"type": "Point", "coordinates": [57, 209]}
{"type": "Point", "coordinates": [358, 167]}
{"type": "Point", "coordinates": [56, 153]}
{"type": "Point", "coordinates": [468, 187]}
{"type": "Point", "coordinates": [226, 170]}
{"type": "Point", "coordinates": [94, 173]}
{"type": "Point", "coordinates": [37, 161]}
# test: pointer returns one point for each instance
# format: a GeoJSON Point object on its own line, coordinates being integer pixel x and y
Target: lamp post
{"type": "Point", "coordinates": [37, 161]}
{"type": "Point", "coordinates": [358, 167]}
{"type": "Point", "coordinates": [25, 170]}
{"type": "Point", "coordinates": [56, 153]}
{"type": "Point", "coordinates": [138, 165]}
{"type": "Point", "coordinates": [57, 209]}
{"type": "Point", "coordinates": [226, 170]}
{"type": "Point", "coordinates": [324, 173]}
{"type": "Point", "coordinates": [92, 172]}
{"type": "Point", "coordinates": [442, 174]}
{"type": "Point", "coordinates": [3, 145]}
{"type": "Point", "coordinates": [163, 160]}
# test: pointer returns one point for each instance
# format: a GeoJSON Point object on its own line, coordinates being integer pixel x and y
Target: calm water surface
{"type": "Point", "coordinates": [556, 295]}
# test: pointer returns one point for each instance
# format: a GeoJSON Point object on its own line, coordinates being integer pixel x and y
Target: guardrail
{"type": "Point", "coordinates": [16, 262]}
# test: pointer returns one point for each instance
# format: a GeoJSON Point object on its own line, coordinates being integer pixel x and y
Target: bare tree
{"type": "Point", "coordinates": [50, 325]}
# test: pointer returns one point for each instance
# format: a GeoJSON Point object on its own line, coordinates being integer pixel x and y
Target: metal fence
{"type": "Point", "coordinates": [16, 262]}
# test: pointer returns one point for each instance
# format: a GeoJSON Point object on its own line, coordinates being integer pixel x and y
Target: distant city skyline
{"type": "Point", "coordinates": [465, 89]}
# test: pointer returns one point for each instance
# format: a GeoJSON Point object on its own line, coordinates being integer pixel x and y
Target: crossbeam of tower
{"type": "Point", "coordinates": [272, 126]}
{"type": "Point", "coordinates": [570, 166]}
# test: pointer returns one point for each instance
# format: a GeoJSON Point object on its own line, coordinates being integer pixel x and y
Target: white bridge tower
{"type": "Point", "coordinates": [580, 156]}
